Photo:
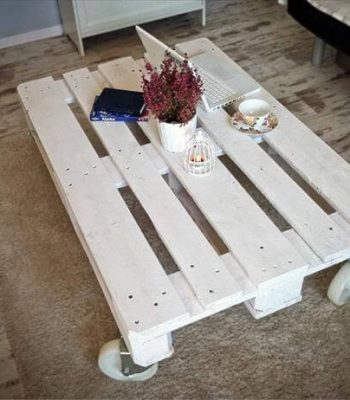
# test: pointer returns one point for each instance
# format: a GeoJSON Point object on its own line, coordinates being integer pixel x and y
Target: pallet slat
{"type": "Point", "coordinates": [320, 166]}
{"type": "Point", "coordinates": [327, 239]}
{"type": "Point", "coordinates": [323, 235]}
{"type": "Point", "coordinates": [127, 268]}
{"type": "Point", "coordinates": [206, 273]}
{"type": "Point", "coordinates": [251, 236]}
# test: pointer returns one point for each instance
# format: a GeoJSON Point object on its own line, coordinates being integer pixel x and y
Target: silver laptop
{"type": "Point", "coordinates": [222, 84]}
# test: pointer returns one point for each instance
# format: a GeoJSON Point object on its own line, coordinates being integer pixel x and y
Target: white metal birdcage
{"type": "Point", "coordinates": [199, 155]}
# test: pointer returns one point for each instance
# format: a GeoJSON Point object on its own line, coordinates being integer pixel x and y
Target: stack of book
{"type": "Point", "coordinates": [119, 105]}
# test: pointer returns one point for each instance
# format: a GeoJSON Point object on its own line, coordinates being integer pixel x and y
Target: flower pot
{"type": "Point", "coordinates": [174, 136]}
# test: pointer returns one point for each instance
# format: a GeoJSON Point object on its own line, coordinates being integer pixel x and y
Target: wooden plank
{"type": "Point", "coordinates": [250, 235]}
{"type": "Point", "coordinates": [315, 263]}
{"type": "Point", "coordinates": [145, 350]}
{"type": "Point", "coordinates": [128, 268]}
{"type": "Point", "coordinates": [325, 237]}
{"type": "Point", "coordinates": [314, 160]}
{"type": "Point", "coordinates": [115, 174]}
{"type": "Point", "coordinates": [206, 273]}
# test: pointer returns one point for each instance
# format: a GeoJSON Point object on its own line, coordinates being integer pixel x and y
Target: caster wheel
{"type": "Point", "coordinates": [115, 361]}
{"type": "Point", "coordinates": [339, 289]}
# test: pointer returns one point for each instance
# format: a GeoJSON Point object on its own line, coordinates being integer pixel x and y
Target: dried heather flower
{"type": "Point", "coordinates": [173, 92]}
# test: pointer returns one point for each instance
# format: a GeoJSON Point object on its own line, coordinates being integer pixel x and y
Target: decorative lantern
{"type": "Point", "coordinates": [199, 155]}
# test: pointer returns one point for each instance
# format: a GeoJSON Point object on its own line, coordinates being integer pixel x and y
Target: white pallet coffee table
{"type": "Point", "coordinates": [264, 267]}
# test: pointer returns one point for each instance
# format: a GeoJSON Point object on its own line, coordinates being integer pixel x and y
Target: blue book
{"type": "Point", "coordinates": [122, 102]}
{"type": "Point", "coordinates": [103, 111]}
{"type": "Point", "coordinates": [95, 116]}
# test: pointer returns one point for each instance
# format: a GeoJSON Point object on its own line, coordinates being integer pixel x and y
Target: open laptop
{"type": "Point", "coordinates": [222, 84]}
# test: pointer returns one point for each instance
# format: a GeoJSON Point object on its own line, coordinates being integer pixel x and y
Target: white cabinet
{"type": "Point", "coordinates": [84, 18]}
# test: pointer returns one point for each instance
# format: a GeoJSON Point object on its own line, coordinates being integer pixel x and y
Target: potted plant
{"type": "Point", "coordinates": [171, 94]}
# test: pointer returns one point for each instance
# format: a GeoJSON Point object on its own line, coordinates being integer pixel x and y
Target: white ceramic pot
{"type": "Point", "coordinates": [174, 136]}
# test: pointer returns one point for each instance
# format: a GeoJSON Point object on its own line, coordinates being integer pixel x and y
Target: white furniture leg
{"type": "Point", "coordinates": [115, 361]}
{"type": "Point", "coordinates": [339, 289]}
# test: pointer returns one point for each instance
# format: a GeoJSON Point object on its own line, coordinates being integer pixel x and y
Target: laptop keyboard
{"type": "Point", "coordinates": [215, 91]}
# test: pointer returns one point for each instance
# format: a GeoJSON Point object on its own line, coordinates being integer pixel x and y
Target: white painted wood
{"type": "Point", "coordinates": [257, 314]}
{"type": "Point", "coordinates": [315, 263]}
{"type": "Point", "coordinates": [249, 234]}
{"type": "Point", "coordinates": [144, 347]}
{"type": "Point", "coordinates": [317, 163]}
{"type": "Point", "coordinates": [325, 237]}
{"type": "Point", "coordinates": [126, 267]}
{"type": "Point", "coordinates": [94, 204]}
{"type": "Point", "coordinates": [31, 36]}
{"type": "Point", "coordinates": [84, 18]}
{"type": "Point", "coordinates": [66, 93]}
{"type": "Point", "coordinates": [117, 177]}
{"type": "Point", "coordinates": [96, 17]}
{"type": "Point", "coordinates": [202, 267]}
{"type": "Point", "coordinates": [71, 26]}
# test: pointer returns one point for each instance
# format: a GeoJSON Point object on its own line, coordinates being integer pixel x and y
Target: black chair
{"type": "Point", "coordinates": [326, 28]}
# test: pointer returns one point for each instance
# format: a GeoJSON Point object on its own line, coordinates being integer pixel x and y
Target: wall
{"type": "Point", "coordinates": [22, 16]}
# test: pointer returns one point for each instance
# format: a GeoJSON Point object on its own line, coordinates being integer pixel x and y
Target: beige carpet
{"type": "Point", "coordinates": [54, 312]}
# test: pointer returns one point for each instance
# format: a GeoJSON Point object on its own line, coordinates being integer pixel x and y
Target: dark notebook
{"type": "Point", "coordinates": [119, 102]}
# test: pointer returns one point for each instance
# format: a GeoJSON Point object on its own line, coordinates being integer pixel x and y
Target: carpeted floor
{"type": "Point", "coordinates": [55, 315]}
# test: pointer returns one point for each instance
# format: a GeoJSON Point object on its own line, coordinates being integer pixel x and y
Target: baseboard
{"type": "Point", "coordinates": [31, 36]}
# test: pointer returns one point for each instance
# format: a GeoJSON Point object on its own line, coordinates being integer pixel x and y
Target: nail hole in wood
{"type": "Point", "coordinates": [217, 271]}
{"type": "Point", "coordinates": [330, 228]}
{"type": "Point", "coordinates": [67, 169]}
{"type": "Point", "coordinates": [211, 291]}
{"type": "Point", "coordinates": [70, 184]}
{"type": "Point", "coordinates": [290, 261]}
{"type": "Point", "coordinates": [137, 322]}
{"type": "Point", "coordinates": [130, 296]}
{"type": "Point", "coordinates": [85, 173]}
{"type": "Point", "coordinates": [163, 293]}
{"type": "Point", "coordinates": [261, 247]}
{"type": "Point", "coordinates": [192, 265]}
{"type": "Point", "coordinates": [155, 304]}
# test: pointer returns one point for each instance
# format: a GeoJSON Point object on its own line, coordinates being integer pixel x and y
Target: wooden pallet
{"type": "Point", "coordinates": [263, 267]}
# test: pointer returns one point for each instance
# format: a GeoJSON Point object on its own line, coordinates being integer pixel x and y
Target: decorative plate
{"type": "Point", "coordinates": [269, 123]}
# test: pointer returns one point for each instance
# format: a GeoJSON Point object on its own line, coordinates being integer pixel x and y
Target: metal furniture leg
{"type": "Point", "coordinates": [204, 21]}
{"type": "Point", "coordinates": [318, 52]}
{"type": "Point", "coordinates": [115, 361]}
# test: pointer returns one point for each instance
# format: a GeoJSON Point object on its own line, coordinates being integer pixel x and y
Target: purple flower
{"type": "Point", "coordinates": [173, 92]}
